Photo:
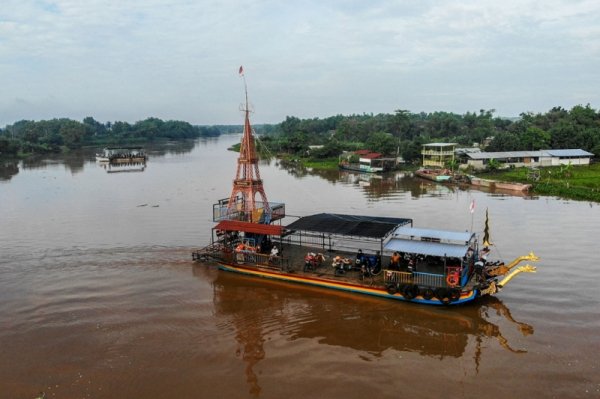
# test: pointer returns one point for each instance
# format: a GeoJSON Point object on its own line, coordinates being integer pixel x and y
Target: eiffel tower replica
{"type": "Point", "coordinates": [243, 204]}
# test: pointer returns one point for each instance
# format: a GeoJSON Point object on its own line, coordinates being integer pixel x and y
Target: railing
{"type": "Point", "coordinates": [222, 211]}
{"type": "Point", "coordinates": [438, 153]}
{"type": "Point", "coordinates": [263, 260]}
{"type": "Point", "coordinates": [421, 279]}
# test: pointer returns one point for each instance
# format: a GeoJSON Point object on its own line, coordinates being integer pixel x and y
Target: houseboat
{"type": "Point", "coordinates": [385, 257]}
{"type": "Point", "coordinates": [122, 155]}
{"type": "Point", "coordinates": [366, 161]}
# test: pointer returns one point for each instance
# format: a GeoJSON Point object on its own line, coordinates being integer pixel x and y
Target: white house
{"type": "Point", "coordinates": [479, 160]}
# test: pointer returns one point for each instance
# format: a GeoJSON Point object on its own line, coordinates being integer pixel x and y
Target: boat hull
{"type": "Point", "coordinates": [433, 176]}
{"type": "Point", "coordinates": [465, 296]}
{"type": "Point", "coordinates": [362, 169]}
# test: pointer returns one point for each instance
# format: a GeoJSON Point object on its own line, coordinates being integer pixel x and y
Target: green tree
{"type": "Point", "coordinates": [381, 142]}
{"type": "Point", "coordinates": [535, 139]}
{"type": "Point", "coordinates": [72, 133]}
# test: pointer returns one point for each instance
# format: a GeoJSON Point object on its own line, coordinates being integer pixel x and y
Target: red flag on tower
{"type": "Point", "coordinates": [472, 206]}
{"type": "Point", "coordinates": [241, 70]}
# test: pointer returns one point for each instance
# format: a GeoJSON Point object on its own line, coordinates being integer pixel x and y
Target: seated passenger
{"type": "Point", "coordinates": [360, 258]}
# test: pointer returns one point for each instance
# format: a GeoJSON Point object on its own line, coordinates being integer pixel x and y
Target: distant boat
{"type": "Point", "coordinates": [122, 155]}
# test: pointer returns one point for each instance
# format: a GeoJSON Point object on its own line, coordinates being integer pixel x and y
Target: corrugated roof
{"type": "Point", "coordinates": [371, 155]}
{"type": "Point", "coordinates": [506, 154]}
{"type": "Point", "coordinates": [349, 225]}
{"type": "Point", "coordinates": [529, 154]}
{"type": "Point", "coordinates": [439, 144]}
{"type": "Point", "coordinates": [442, 235]}
{"type": "Point", "coordinates": [570, 153]}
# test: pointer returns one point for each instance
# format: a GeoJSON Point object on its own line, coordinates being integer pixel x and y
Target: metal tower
{"type": "Point", "coordinates": [242, 203]}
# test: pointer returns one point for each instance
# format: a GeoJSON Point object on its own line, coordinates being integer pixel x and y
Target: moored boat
{"type": "Point", "coordinates": [499, 185]}
{"type": "Point", "coordinates": [437, 175]}
{"type": "Point", "coordinates": [380, 256]}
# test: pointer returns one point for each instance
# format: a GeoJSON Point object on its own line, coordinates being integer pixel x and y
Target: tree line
{"type": "Point", "coordinates": [403, 133]}
{"type": "Point", "coordinates": [56, 135]}
{"type": "Point", "coordinates": [399, 133]}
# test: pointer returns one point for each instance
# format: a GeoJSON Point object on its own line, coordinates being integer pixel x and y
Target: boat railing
{"type": "Point", "coordinates": [418, 278]}
{"type": "Point", "coordinates": [266, 261]}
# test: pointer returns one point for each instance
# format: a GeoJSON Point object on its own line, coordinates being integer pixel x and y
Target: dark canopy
{"type": "Point", "coordinates": [348, 225]}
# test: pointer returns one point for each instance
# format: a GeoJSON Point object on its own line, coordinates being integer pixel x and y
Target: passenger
{"type": "Point", "coordinates": [412, 265]}
{"type": "Point", "coordinates": [274, 253]}
{"type": "Point", "coordinates": [376, 268]}
{"type": "Point", "coordinates": [395, 261]}
{"type": "Point", "coordinates": [360, 258]}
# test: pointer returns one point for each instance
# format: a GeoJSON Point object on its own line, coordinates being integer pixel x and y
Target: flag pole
{"type": "Point", "coordinates": [241, 72]}
{"type": "Point", "coordinates": [472, 209]}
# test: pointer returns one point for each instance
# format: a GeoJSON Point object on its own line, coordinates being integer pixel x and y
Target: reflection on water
{"type": "Point", "coordinates": [119, 167]}
{"type": "Point", "coordinates": [259, 309]}
{"type": "Point", "coordinates": [8, 169]}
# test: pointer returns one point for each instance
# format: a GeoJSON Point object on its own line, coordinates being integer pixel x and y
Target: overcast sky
{"type": "Point", "coordinates": [131, 59]}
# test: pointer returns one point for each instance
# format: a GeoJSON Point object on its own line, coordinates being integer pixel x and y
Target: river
{"type": "Point", "coordinates": [99, 297]}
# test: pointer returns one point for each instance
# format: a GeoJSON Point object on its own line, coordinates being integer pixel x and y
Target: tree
{"type": "Point", "coordinates": [383, 143]}
{"type": "Point", "coordinates": [72, 132]}
{"type": "Point", "coordinates": [535, 139]}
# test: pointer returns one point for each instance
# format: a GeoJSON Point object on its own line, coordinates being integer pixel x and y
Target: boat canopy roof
{"type": "Point", "coordinates": [430, 242]}
{"type": "Point", "coordinates": [456, 237]}
{"type": "Point", "coordinates": [426, 248]}
{"type": "Point", "coordinates": [247, 227]}
{"type": "Point", "coordinates": [349, 225]}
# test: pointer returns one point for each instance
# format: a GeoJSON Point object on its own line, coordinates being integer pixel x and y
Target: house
{"type": "Point", "coordinates": [438, 155]}
{"type": "Point", "coordinates": [480, 160]}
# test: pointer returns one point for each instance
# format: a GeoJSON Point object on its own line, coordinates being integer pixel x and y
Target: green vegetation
{"type": "Point", "coordinates": [403, 133]}
{"type": "Point", "coordinates": [566, 181]}
{"type": "Point", "coordinates": [59, 135]}
{"type": "Point", "coordinates": [318, 142]}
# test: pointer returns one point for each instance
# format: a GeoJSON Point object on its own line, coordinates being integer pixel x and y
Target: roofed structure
{"type": "Point", "coordinates": [322, 228]}
{"type": "Point", "coordinates": [349, 225]}
{"type": "Point", "coordinates": [529, 158]}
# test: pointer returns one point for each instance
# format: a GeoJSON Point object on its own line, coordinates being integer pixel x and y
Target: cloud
{"type": "Point", "coordinates": [112, 59]}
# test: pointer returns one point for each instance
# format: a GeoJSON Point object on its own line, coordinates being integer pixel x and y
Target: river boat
{"type": "Point", "coordinates": [436, 175]}
{"type": "Point", "coordinates": [385, 257]}
{"type": "Point", "coordinates": [122, 155]}
{"type": "Point", "coordinates": [360, 167]}
{"type": "Point", "coordinates": [499, 185]}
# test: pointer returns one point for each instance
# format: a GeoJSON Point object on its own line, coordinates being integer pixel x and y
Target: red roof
{"type": "Point", "coordinates": [362, 152]}
{"type": "Point", "coordinates": [247, 227]}
{"type": "Point", "coordinates": [372, 155]}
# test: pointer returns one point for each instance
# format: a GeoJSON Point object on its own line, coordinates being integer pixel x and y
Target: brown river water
{"type": "Point", "coordinates": [99, 297]}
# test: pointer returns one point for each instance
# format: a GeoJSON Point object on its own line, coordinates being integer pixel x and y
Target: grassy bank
{"type": "Point", "coordinates": [567, 181]}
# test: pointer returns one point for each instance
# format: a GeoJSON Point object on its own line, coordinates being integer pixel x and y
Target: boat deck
{"type": "Point", "coordinates": [291, 261]}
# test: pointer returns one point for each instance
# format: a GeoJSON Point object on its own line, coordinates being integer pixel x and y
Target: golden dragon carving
{"type": "Point", "coordinates": [495, 287]}
{"type": "Point", "coordinates": [503, 269]}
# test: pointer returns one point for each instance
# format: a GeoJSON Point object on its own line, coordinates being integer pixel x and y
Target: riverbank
{"type": "Point", "coordinates": [566, 181]}
{"type": "Point", "coordinates": [580, 183]}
